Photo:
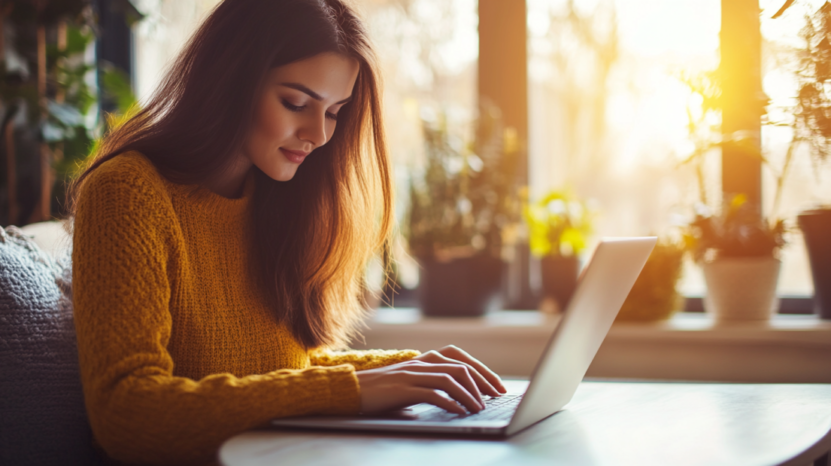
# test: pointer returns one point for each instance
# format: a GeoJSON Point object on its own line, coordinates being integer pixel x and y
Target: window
{"type": "Point", "coordinates": [428, 51]}
{"type": "Point", "coordinates": [608, 110]}
{"type": "Point", "coordinates": [159, 37]}
{"type": "Point", "coordinates": [803, 186]}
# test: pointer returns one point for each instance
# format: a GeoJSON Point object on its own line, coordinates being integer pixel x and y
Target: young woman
{"type": "Point", "coordinates": [219, 237]}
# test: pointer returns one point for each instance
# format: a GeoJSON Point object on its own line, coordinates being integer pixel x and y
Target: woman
{"type": "Point", "coordinates": [219, 237]}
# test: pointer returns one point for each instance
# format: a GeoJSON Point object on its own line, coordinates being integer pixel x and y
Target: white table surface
{"type": "Point", "coordinates": [607, 423]}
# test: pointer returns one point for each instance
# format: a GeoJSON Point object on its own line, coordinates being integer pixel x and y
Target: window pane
{"type": "Point", "coordinates": [803, 187]}
{"type": "Point", "coordinates": [428, 51]}
{"type": "Point", "coordinates": [167, 25]}
{"type": "Point", "coordinates": [609, 112]}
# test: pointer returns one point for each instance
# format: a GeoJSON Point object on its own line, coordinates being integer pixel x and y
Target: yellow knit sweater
{"type": "Point", "coordinates": [178, 352]}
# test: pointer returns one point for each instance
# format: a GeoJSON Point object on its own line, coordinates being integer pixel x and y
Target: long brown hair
{"type": "Point", "coordinates": [314, 234]}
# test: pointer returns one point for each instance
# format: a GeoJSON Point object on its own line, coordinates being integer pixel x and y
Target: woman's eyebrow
{"type": "Point", "coordinates": [311, 93]}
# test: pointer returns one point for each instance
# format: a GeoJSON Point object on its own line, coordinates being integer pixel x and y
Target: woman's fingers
{"type": "Point", "coordinates": [437, 399]}
{"type": "Point", "coordinates": [394, 387]}
{"type": "Point", "coordinates": [491, 386]}
{"type": "Point", "coordinates": [461, 373]}
{"type": "Point", "coordinates": [481, 382]}
{"type": "Point", "coordinates": [422, 379]}
{"type": "Point", "coordinates": [448, 384]}
{"type": "Point", "coordinates": [459, 354]}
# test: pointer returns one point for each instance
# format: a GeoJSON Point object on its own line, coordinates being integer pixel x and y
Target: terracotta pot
{"type": "Point", "coordinates": [741, 289]}
{"type": "Point", "coordinates": [816, 229]}
{"type": "Point", "coordinates": [461, 287]}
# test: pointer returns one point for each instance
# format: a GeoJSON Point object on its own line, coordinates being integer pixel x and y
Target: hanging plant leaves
{"type": "Point", "coordinates": [117, 86]}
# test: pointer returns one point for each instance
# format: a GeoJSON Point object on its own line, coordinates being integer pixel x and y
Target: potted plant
{"type": "Point", "coordinates": [459, 205]}
{"type": "Point", "coordinates": [738, 251]}
{"type": "Point", "coordinates": [737, 248]}
{"type": "Point", "coordinates": [654, 295]}
{"type": "Point", "coordinates": [558, 227]}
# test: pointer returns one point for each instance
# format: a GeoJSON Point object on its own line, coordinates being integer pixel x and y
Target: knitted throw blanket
{"type": "Point", "coordinates": [42, 415]}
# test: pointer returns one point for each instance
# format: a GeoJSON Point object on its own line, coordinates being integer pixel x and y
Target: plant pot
{"type": "Point", "coordinates": [741, 289]}
{"type": "Point", "coordinates": [816, 229]}
{"type": "Point", "coordinates": [559, 278]}
{"type": "Point", "coordinates": [460, 287]}
{"type": "Point", "coordinates": [654, 296]}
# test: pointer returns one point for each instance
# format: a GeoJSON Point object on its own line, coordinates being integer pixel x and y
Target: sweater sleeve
{"type": "Point", "coordinates": [361, 359]}
{"type": "Point", "coordinates": [138, 410]}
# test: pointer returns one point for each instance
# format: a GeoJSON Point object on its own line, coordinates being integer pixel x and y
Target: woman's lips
{"type": "Point", "coordinates": [294, 156]}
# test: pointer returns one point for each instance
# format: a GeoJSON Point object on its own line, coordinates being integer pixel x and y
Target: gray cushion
{"type": "Point", "coordinates": [42, 415]}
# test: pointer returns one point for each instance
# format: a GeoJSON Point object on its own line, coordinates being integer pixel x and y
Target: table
{"type": "Point", "coordinates": [606, 423]}
{"type": "Point", "coordinates": [690, 346]}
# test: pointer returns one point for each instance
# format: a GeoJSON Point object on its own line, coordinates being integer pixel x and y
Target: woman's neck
{"type": "Point", "coordinates": [229, 183]}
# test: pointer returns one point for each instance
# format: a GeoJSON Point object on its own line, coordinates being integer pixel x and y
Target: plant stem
{"type": "Point", "coordinates": [699, 174]}
{"type": "Point", "coordinates": [780, 180]}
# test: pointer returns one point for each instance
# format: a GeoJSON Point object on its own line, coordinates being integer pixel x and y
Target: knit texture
{"type": "Point", "coordinates": [178, 351]}
{"type": "Point", "coordinates": [42, 417]}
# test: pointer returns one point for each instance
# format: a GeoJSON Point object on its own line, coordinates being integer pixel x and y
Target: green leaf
{"type": "Point", "coordinates": [77, 40]}
{"type": "Point", "coordinates": [116, 84]}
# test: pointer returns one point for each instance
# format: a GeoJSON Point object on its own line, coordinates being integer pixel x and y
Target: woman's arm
{"type": "Point", "coordinates": [139, 411]}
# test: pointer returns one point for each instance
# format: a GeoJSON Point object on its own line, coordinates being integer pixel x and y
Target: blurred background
{"type": "Point", "coordinates": [521, 130]}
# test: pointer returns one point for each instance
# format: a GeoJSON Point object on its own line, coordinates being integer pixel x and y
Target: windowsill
{"type": "Point", "coordinates": [789, 348]}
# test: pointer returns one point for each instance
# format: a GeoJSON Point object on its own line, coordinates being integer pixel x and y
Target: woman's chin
{"type": "Point", "coordinates": [282, 173]}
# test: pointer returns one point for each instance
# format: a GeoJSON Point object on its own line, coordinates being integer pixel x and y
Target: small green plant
{"type": "Point", "coordinates": [737, 231]}
{"type": "Point", "coordinates": [559, 224]}
{"type": "Point", "coordinates": [466, 196]}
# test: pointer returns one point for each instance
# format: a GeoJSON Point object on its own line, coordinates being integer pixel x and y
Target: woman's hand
{"type": "Point", "coordinates": [422, 379]}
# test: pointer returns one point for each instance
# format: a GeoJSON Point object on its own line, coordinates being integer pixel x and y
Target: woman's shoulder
{"type": "Point", "coordinates": [130, 165]}
{"type": "Point", "coordinates": [131, 176]}
{"type": "Point", "coordinates": [127, 169]}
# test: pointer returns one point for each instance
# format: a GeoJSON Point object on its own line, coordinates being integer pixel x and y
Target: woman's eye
{"type": "Point", "coordinates": [292, 108]}
{"type": "Point", "coordinates": [331, 116]}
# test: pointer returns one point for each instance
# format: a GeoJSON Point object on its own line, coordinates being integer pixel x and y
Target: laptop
{"type": "Point", "coordinates": [603, 286]}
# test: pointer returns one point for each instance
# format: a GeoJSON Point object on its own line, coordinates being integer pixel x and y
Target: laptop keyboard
{"type": "Point", "coordinates": [496, 409]}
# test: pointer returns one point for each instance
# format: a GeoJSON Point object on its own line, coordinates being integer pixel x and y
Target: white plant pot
{"type": "Point", "coordinates": [741, 289]}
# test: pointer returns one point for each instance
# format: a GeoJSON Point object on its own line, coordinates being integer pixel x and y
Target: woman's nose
{"type": "Point", "coordinates": [313, 130]}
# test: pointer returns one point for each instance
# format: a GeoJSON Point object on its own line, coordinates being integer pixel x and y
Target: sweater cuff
{"type": "Point", "coordinates": [345, 393]}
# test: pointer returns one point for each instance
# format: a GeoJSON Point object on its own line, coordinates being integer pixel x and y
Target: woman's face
{"type": "Point", "coordinates": [297, 112]}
